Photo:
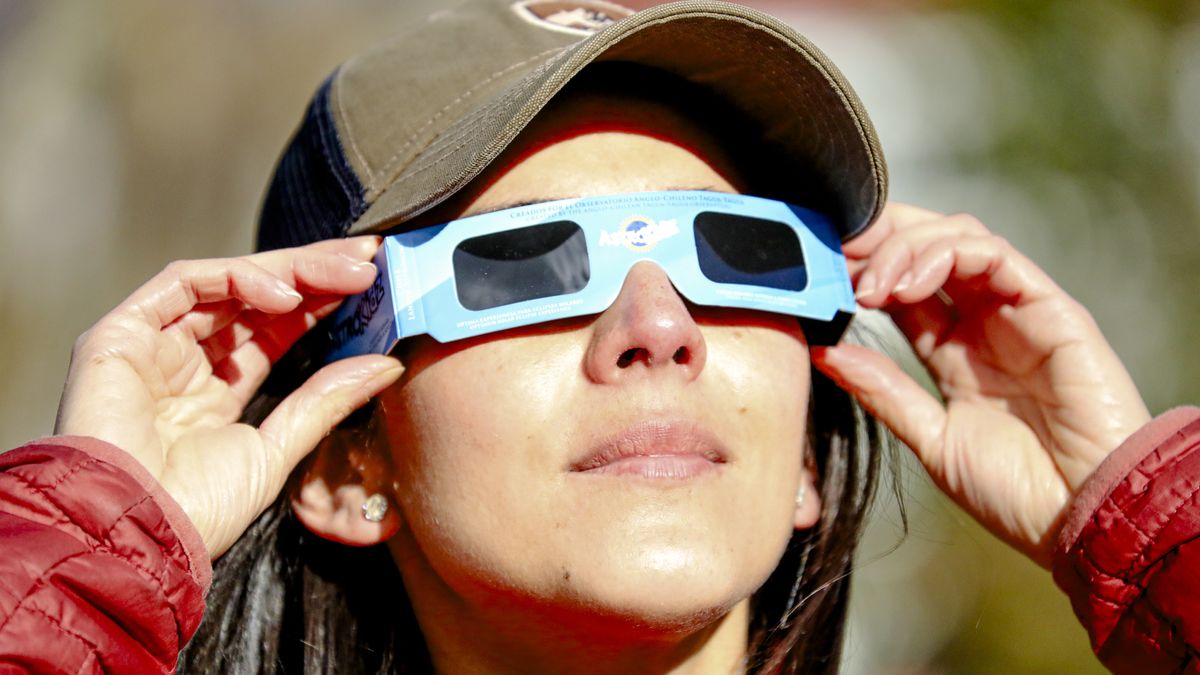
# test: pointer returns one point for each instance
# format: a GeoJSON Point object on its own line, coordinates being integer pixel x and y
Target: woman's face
{"type": "Point", "coordinates": [511, 452]}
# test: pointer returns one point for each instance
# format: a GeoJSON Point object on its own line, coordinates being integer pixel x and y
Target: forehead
{"type": "Point", "coordinates": [599, 163]}
{"type": "Point", "coordinates": [652, 130]}
{"type": "Point", "coordinates": [600, 137]}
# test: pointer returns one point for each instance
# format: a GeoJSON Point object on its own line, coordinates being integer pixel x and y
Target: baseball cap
{"type": "Point", "coordinates": [402, 127]}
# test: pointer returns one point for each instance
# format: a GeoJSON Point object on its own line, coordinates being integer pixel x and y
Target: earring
{"type": "Point", "coordinates": [374, 508]}
{"type": "Point", "coordinates": [800, 495]}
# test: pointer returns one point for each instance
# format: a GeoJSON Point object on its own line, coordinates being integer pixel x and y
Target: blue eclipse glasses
{"type": "Point", "coordinates": [568, 258]}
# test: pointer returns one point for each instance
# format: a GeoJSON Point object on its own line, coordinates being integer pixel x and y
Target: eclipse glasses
{"type": "Point", "coordinates": [555, 260]}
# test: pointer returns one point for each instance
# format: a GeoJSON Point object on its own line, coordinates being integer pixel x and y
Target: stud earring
{"type": "Point", "coordinates": [800, 495]}
{"type": "Point", "coordinates": [374, 508]}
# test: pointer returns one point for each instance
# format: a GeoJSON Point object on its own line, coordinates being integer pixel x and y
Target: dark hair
{"type": "Point", "coordinates": [284, 599]}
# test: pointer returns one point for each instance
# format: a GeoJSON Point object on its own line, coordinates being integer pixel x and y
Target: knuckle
{"type": "Point", "coordinates": [238, 269]}
{"type": "Point", "coordinates": [244, 434]}
{"type": "Point", "coordinates": [243, 265]}
{"type": "Point", "coordinates": [1001, 244]}
{"type": "Point", "coordinates": [84, 340]}
{"type": "Point", "coordinates": [178, 267]}
{"type": "Point", "coordinates": [315, 267]}
{"type": "Point", "coordinates": [99, 339]}
{"type": "Point", "coordinates": [896, 246]}
{"type": "Point", "coordinates": [968, 222]}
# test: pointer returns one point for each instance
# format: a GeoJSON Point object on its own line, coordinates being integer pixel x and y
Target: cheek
{"type": "Point", "coordinates": [763, 375]}
{"type": "Point", "coordinates": [473, 436]}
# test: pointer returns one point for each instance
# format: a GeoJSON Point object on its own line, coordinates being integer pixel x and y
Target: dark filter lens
{"type": "Point", "coordinates": [527, 263]}
{"type": "Point", "coordinates": [736, 249]}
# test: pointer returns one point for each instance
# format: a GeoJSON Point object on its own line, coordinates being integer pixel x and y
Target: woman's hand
{"type": "Point", "coordinates": [166, 374]}
{"type": "Point", "coordinates": [1034, 398]}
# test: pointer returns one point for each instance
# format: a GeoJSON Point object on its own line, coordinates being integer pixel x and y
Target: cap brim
{"type": "Point", "coordinates": [777, 77]}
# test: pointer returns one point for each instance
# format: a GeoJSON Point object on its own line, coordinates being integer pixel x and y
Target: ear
{"type": "Point", "coordinates": [808, 509]}
{"type": "Point", "coordinates": [335, 480]}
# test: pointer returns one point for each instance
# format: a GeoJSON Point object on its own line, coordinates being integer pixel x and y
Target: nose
{"type": "Point", "coordinates": [648, 331]}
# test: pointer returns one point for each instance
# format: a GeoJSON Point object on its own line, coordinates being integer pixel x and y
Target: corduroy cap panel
{"type": "Point", "coordinates": [760, 64]}
{"type": "Point", "coordinates": [392, 101]}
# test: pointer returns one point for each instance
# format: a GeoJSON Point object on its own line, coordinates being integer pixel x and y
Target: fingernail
{"type": "Point", "coordinates": [358, 265]}
{"type": "Point", "coordinates": [903, 283]}
{"type": "Point", "coordinates": [371, 243]}
{"type": "Point", "coordinates": [387, 376]}
{"type": "Point", "coordinates": [866, 284]}
{"type": "Point", "coordinates": [284, 289]}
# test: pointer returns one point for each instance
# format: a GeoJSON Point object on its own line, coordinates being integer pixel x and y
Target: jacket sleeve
{"type": "Point", "coordinates": [1129, 552]}
{"type": "Point", "coordinates": [100, 570]}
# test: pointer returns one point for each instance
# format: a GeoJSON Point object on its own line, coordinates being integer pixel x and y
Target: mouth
{"type": "Point", "coordinates": [660, 450]}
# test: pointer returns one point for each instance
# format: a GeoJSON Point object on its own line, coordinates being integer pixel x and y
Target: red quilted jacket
{"type": "Point", "coordinates": [101, 571]}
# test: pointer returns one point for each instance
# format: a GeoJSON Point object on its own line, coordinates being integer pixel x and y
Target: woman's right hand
{"type": "Point", "coordinates": [165, 376]}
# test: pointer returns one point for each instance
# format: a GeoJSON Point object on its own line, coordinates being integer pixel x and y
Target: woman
{"type": "Point", "coordinates": [661, 486]}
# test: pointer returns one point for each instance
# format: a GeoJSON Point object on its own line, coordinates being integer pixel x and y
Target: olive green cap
{"type": "Point", "coordinates": [398, 129]}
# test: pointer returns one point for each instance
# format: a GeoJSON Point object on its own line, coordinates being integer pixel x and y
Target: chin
{"type": "Point", "coordinates": [662, 591]}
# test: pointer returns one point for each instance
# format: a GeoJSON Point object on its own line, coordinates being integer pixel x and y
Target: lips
{"type": "Point", "coordinates": [657, 450]}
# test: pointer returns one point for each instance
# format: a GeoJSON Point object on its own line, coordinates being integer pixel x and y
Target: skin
{"type": "Point", "coordinates": [500, 534]}
{"type": "Point", "coordinates": [1034, 397]}
{"type": "Point", "coordinates": [514, 562]}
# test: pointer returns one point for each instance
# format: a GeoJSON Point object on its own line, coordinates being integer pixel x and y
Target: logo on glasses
{"type": "Point", "coordinates": [640, 233]}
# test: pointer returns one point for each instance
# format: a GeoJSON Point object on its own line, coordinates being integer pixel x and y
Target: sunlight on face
{"type": "Point", "coordinates": [490, 436]}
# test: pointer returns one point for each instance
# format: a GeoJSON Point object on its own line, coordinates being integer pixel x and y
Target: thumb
{"type": "Point", "coordinates": [887, 392]}
{"type": "Point", "coordinates": [308, 414]}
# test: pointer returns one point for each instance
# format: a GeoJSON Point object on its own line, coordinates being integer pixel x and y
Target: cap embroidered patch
{"type": "Point", "coordinates": [581, 17]}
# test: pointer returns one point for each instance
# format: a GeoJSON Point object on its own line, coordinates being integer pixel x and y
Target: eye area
{"type": "Point", "coordinates": [737, 249]}
{"type": "Point", "coordinates": [526, 263]}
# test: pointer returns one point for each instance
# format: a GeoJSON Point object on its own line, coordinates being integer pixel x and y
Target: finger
{"type": "Point", "coordinates": [895, 216]}
{"type": "Point", "coordinates": [328, 397]}
{"type": "Point", "coordinates": [885, 269]}
{"type": "Point", "coordinates": [248, 323]}
{"type": "Point", "coordinates": [327, 268]}
{"type": "Point", "coordinates": [926, 324]}
{"type": "Point", "coordinates": [224, 342]}
{"type": "Point", "coordinates": [184, 284]}
{"type": "Point", "coordinates": [246, 365]}
{"type": "Point", "coordinates": [971, 278]}
{"type": "Point", "coordinates": [315, 271]}
{"type": "Point", "coordinates": [332, 274]}
{"type": "Point", "coordinates": [888, 393]}
{"type": "Point", "coordinates": [976, 271]}
{"type": "Point", "coordinates": [206, 320]}
{"type": "Point", "coordinates": [360, 248]}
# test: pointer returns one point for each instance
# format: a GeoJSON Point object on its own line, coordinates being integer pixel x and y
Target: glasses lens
{"type": "Point", "coordinates": [527, 263]}
{"type": "Point", "coordinates": [743, 250]}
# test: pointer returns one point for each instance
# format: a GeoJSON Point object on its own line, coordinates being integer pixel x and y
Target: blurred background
{"type": "Point", "coordinates": [134, 132]}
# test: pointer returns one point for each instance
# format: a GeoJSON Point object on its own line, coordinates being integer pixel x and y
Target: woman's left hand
{"type": "Point", "coordinates": [1034, 397]}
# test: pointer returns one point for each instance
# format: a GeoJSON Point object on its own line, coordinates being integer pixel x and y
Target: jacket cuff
{"type": "Point", "coordinates": [199, 561]}
{"type": "Point", "coordinates": [1117, 466]}
{"type": "Point", "coordinates": [1124, 556]}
